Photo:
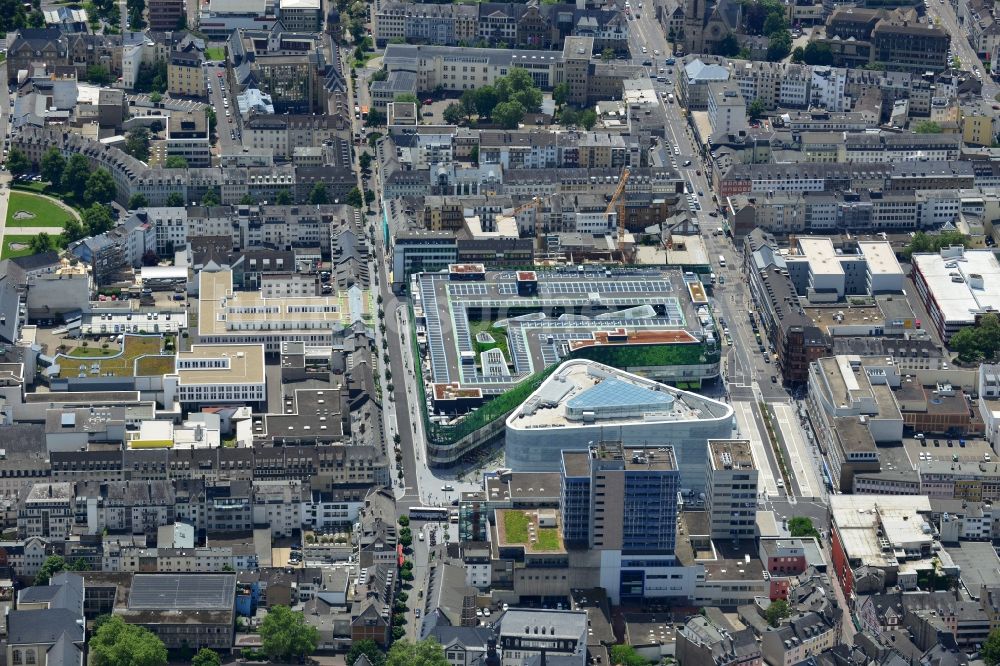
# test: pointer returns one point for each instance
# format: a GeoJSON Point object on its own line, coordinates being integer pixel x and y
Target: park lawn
{"type": "Point", "coordinates": [9, 240]}
{"type": "Point", "coordinates": [32, 186]}
{"type": "Point", "coordinates": [122, 364]}
{"type": "Point", "coordinates": [45, 213]}
{"type": "Point", "coordinates": [215, 53]}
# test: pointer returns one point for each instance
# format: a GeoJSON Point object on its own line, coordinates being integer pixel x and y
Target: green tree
{"type": "Point", "coordinates": [775, 23]}
{"type": "Point", "coordinates": [74, 177]}
{"type": "Point", "coordinates": [366, 647]}
{"type": "Point", "coordinates": [211, 198]}
{"type": "Point", "coordinates": [798, 54]}
{"type": "Point", "coordinates": [355, 198]}
{"type": "Point", "coordinates": [777, 611]}
{"type": "Point", "coordinates": [17, 162]}
{"type": "Point", "coordinates": [587, 119]}
{"type": "Point", "coordinates": [365, 161]}
{"type": "Point", "coordinates": [508, 114]}
{"type": "Point", "coordinates": [156, 98]}
{"type": "Point", "coordinates": [97, 219]}
{"type": "Point", "coordinates": [486, 99]}
{"type": "Point", "coordinates": [728, 46]}
{"type": "Point", "coordinates": [137, 200]}
{"type": "Point", "coordinates": [52, 565]}
{"type": "Point", "coordinates": [100, 187]}
{"type": "Point", "coordinates": [560, 94]}
{"type": "Point", "coordinates": [319, 194]}
{"type": "Point", "coordinates": [474, 154]}
{"type": "Point", "coordinates": [283, 198]}
{"type": "Point", "coordinates": [407, 97]}
{"type": "Point", "coordinates": [376, 118]}
{"type": "Point", "coordinates": [975, 344]}
{"type": "Point", "coordinates": [213, 121]}
{"type": "Point", "coordinates": [369, 197]}
{"type": "Point", "coordinates": [607, 55]}
{"type": "Point", "coordinates": [119, 644]}
{"type": "Point", "coordinates": [422, 653]}
{"type": "Point", "coordinates": [802, 526]}
{"type": "Point", "coordinates": [41, 243]}
{"type": "Point", "coordinates": [755, 109]}
{"type": "Point", "coordinates": [72, 230]}
{"type": "Point", "coordinates": [175, 162]}
{"type": "Point", "coordinates": [53, 164]}
{"type": "Point", "coordinates": [817, 53]}
{"type": "Point", "coordinates": [98, 75]}
{"type": "Point", "coordinates": [206, 657]}
{"type": "Point", "coordinates": [175, 199]}
{"type": "Point", "coordinates": [454, 114]}
{"type": "Point", "coordinates": [373, 139]}
{"type": "Point", "coordinates": [518, 86]}
{"type": "Point", "coordinates": [927, 127]}
{"type": "Point", "coordinates": [568, 116]}
{"type": "Point", "coordinates": [627, 656]}
{"type": "Point", "coordinates": [247, 200]}
{"type": "Point", "coordinates": [990, 651]}
{"type": "Point", "coordinates": [404, 521]}
{"type": "Point", "coordinates": [923, 243]}
{"type": "Point", "coordinates": [285, 635]}
{"type": "Point", "coordinates": [779, 46]}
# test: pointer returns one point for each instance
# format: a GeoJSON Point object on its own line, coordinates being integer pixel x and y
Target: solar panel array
{"type": "Point", "coordinates": [182, 592]}
{"type": "Point", "coordinates": [435, 336]}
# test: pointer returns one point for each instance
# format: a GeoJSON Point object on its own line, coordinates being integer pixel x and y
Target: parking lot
{"type": "Point", "coordinates": [948, 449]}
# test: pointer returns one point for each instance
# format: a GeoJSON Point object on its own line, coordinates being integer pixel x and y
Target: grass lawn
{"type": "Point", "coordinates": [215, 53]}
{"type": "Point", "coordinates": [29, 210]}
{"type": "Point", "coordinates": [499, 335]}
{"type": "Point", "coordinates": [93, 351]}
{"type": "Point", "coordinates": [20, 247]}
{"type": "Point", "coordinates": [515, 525]}
{"type": "Point", "coordinates": [154, 366]}
{"type": "Point", "coordinates": [32, 187]}
{"type": "Point", "coordinates": [121, 364]}
{"type": "Point", "coordinates": [548, 539]}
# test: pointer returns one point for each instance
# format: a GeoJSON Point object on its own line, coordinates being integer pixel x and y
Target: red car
{"type": "Point", "coordinates": [428, 101]}
{"type": "Point", "coordinates": [219, 74]}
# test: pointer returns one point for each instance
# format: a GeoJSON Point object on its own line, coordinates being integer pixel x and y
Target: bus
{"type": "Point", "coordinates": [432, 513]}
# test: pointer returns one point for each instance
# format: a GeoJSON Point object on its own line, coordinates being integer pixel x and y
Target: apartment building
{"type": "Point", "coordinates": [187, 137]}
{"type": "Point", "coordinates": [185, 73]}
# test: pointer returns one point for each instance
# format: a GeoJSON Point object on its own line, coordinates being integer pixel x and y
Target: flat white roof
{"type": "Point", "coordinates": [823, 259]}
{"type": "Point", "coordinates": [957, 301]}
{"type": "Point", "coordinates": [880, 257]}
{"type": "Point", "coordinates": [299, 4]}
{"type": "Point", "coordinates": [238, 7]}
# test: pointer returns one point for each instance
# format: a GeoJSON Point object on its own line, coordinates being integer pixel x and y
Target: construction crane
{"type": "Point", "coordinates": [621, 209]}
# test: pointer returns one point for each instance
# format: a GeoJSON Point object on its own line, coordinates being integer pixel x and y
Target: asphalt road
{"type": "Point", "coordinates": [945, 13]}
{"type": "Point", "coordinates": [226, 143]}
{"type": "Point", "coordinates": [746, 370]}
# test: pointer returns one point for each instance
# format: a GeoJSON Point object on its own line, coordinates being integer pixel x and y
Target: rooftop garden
{"type": "Point", "coordinates": [517, 526]}
{"type": "Point", "coordinates": [90, 360]}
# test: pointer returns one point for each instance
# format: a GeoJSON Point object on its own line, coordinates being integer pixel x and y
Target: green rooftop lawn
{"type": "Point", "coordinates": [215, 53]}
{"type": "Point", "coordinates": [154, 366]}
{"type": "Point", "coordinates": [121, 364]}
{"type": "Point", "coordinates": [29, 210]}
{"type": "Point", "coordinates": [515, 525]}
